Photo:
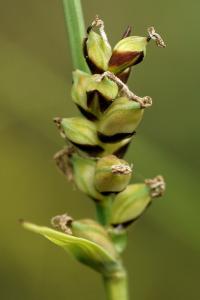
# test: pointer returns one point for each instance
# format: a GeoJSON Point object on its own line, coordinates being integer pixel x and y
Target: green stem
{"type": "Point", "coordinates": [116, 286]}
{"type": "Point", "coordinates": [76, 30]}
{"type": "Point", "coordinates": [103, 211]}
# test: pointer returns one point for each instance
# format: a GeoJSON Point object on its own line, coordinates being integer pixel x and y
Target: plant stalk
{"type": "Point", "coordinates": [103, 211]}
{"type": "Point", "coordinates": [116, 286]}
{"type": "Point", "coordinates": [76, 31]}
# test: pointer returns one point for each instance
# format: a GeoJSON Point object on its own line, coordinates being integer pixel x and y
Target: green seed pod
{"type": "Point", "coordinates": [97, 52]}
{"type": "Point", "coordinates": [132, 202]}
{"type": "Point", "coordinates": [120, 120]}
{"type": "Point", "coordinates": [81, 133]}
{"type": "Point", "coordinates": [112, 174]}
{"type": "Point", "coordinates": [92, 231]}
{"type": "Point", "coordinates": [92, 96]}
{"type": "Point", "coordinates": [83, 176]}
{"type": "Point", "coordinates": [81, 81]}
{"type": "Point", "coordinates": [127, 52]}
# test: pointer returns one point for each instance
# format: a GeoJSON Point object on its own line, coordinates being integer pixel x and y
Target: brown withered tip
{"type": "Point", "coordinates": [121, 169]}
{"type": "Point", "coordinates": [68, 151]}
{"type": "Point", "coordinates": [157, 186]}
{"type": "Point", "coordinates": [127, 32]}
{"type": "Point", "coordinates": [62, 159]}
{"type": "Point", "coordinates": [57, 121]}
{"type": "Point", "coordinates": [152, 34]}
{"type": "Point", "coordinates": [62, 222]}
{"type": "Point", "coordinates": [146, 102]}
{"type": "Point", "coordinates": [21, 221]}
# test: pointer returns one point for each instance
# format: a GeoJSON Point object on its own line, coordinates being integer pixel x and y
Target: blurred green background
{"type": "Point", "coordinates": [35, 80]}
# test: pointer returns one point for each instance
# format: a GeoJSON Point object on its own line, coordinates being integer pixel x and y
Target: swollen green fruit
{"type": "Point", "coordinates": [132, 202]}
{"type": "Point", "coordinates": [119, 120]}
{"type": "Point", "coordinates": [112, 174]}
{"type": "Point", "coordinates": [92, 231]}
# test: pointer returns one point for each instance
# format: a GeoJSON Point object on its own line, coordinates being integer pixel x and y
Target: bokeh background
{"type": "Point", "coordinates": [35, 79]}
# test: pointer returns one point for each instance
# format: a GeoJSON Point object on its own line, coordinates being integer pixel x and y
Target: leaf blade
{"type": "Point", "coordinates": [85, 251]}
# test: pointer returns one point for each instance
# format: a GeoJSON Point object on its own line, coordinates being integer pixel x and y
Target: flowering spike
{"type": "Point", "coordinates": [97, 142]}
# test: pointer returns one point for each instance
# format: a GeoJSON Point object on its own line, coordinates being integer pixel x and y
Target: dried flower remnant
{"type": "Point", "coordinates": [157, 186]}
{"type": "Point", "coordinates": [62, 159]}
{"type": "Point", "coordinates": [62, 222]}
{"type": "Point", "coordinates": [156, 37]}
{"type": "Point", "coordinates": [124, 90]}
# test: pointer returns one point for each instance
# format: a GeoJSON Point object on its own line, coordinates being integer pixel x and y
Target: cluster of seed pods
{"type": "Point", "coordinates": [98, 140]}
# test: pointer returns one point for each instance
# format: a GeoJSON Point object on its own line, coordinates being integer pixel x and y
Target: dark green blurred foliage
{"type": "Point", "coordinates": [35, 82]}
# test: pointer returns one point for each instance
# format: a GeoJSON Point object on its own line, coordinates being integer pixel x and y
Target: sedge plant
{"type": "Point", "coordinates": [96, 143]}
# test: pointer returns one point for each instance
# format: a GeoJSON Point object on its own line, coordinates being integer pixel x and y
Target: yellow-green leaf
{"type": "Point", "coordinates": [85, 251]}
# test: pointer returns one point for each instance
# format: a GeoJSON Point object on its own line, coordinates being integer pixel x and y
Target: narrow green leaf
{"type": "Point", "coordinates": [83, 250]}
